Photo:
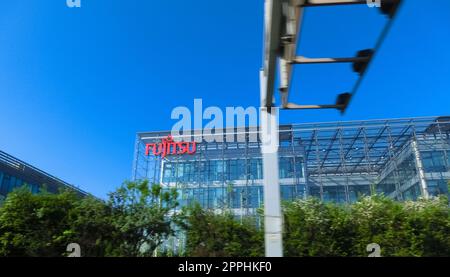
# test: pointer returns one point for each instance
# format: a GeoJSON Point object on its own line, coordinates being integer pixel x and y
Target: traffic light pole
{"type": "Point", "coordinates": [273, 221]}
{"type": "Point", "coordinates": [282, 26]}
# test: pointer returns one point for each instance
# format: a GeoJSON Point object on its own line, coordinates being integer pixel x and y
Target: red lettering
{"type": "Point", "coordinates": [169, 147]}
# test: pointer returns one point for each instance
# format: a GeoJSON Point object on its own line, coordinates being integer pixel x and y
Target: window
{"type": "Point", "coordinates": [238, 169]}
{"type": "Point", "coordinates": [242, 169]}
{"type": "Point", "coordinates": [233, 175]}
{"type": "Point", "coordinates": [299, 167]}
{"type": "Point", "coordinates": [407, 170]}
{"type": "Point", "coordinates": [236, 198]}
{"type": "Point", "coordinates": [19, 183]}
{"type": "Point", "coordinates": [216, 170]}
{"type": "Point", "coordinates": [437, 187]}
{"type": "Point", "coordinates": [256, 170]}
{"type": "Point", "coordinates": [168, 173]}
{"type": "Point", "coordinates": [334, 194]}
{"type": "Point", "coordinates": [180, 176]}
{"type": "Point", "coordinates": [301, 191]}
{"type": "Point", "coordinates": [412, 193]}
{"type": "Point", "coordinates": [215, 196]}
{"type": "Point", "coordinates": [199, 196]}
{"type": "Point", "coordinates": [34, 188]}
{"type": "Point", "coordinates": [386, 186]}
{"type": "Point", "coordinates": [188, 172]}
{"type": "Point", "coordinates": [314, 190]}
{"type": "Point", "coordinates": [433, 161]}
{"type": "Point", "coordinates": [255, 196]}
{"type": "Point", "coordinates": [288, 192]}
{"type": "Point", "coordinates": [286, 167]}
{"type": "Point", "coordinates": [356, 192]}
{"type": "Point", "coordinates": [4, 180]}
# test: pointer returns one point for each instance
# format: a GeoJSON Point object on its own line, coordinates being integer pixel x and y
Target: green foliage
{"type": "Point", "coordinates": [35, 225]}
{"type": "Point", "coordinates": [314, 228]}
{"type": "Point", "coordinates": [91, 226]}
{"type": "Point", "coordinates": [133, 222]}
{"type": "Point", "coordinates": [380, 220]}
{"type": "Point", "coordinates": [421, 228]}
{"type": "Point", "coordinates": [209, 234]}
{"type": "Point", "coordinates": [140, 217]}
{"type": "Point", "coordinates": [429, 226]}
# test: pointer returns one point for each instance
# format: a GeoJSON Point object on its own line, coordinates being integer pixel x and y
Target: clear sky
{"type": "Point", "coordinates": [77, 84]}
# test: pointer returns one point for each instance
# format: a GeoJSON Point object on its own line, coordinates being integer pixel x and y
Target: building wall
{"type": "Point", "coordinates": [336, 162]}
{"type": "Point", "coordinates": [15, 173]}
{"type": "Point", "coordinates": [9, 182]}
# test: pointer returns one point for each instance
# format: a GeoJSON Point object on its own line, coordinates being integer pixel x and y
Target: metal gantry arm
{"type": "Point", "coordinates": [318, 3]}
{"type": "Point", "coordinates": [290, 14]}
{"type": "Point", "coordinates": [282, 27]}
{"type": "Point", "coordinates": [272, 31]}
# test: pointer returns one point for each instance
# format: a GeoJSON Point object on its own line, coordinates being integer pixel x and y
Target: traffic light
{"type": "Point", "coordinates": [361, 66]}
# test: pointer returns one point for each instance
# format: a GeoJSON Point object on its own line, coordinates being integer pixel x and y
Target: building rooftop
{"type": "Point", "coordinates": [31, 174]}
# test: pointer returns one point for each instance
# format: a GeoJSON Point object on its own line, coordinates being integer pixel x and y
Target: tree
{"type": "Point", "coordinates": [142, 217]}
{"type": "Point", "coordinates": [133, 222]}
{"type": "Point", "coordinates": [381, 220]}
{"type": "Point", "coordinates": [91, 226]}
{"type": "Point", "coordinates": [421, 228]}
{"type": "Point", "coordinates": [315, 228]}
{"type": "Point", "coordinates": [138, 217]}
{"type": "Point", "coordinates": [35, 225]}
{"type": "Point", "coordinates": [429, 225]}
{"type": "Point", "coordinates": [209, 234]}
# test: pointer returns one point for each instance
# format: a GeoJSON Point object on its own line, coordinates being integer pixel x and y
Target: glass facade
{"type": "Point", "coordinates": [8, 183]}
{"type": "Point", "coordinates": [15, 173]}
{"type": "Point", "coordinates": [341, 161]}
{"type": "Point", "coordinates": [222, 175]}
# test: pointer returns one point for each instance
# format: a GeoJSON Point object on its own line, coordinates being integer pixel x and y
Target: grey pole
{"type": "Point", "coordinates": [272, 206]}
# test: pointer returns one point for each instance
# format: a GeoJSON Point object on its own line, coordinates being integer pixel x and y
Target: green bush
{"type": "Point", "coordinates": [316, 229]}
{"type": "Point", "coordinates": [133, 222]}
{"type": "Point", "coordinates": [416, 229]}
{"type": "Point", "coordinates": [209, 234]}
{"type": "Point", "coordinates": [138, 217]}
{"type": "Point", "coordinates": [35, 225]}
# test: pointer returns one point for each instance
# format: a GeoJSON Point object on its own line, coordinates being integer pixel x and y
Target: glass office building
{"type": "Point", "coordinates": [15, 173]}
{"type": "Point", "coordinates": [402, 158]}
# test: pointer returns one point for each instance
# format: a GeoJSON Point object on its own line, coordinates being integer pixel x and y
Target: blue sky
{"type": "Point", "coordinates": [77, 84]}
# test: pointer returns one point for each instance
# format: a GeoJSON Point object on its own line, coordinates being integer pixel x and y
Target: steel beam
{"type": "Point", "coordinates": [292, 106]}
{"type": "Point", "coordinates": [321, 3]}
{"type": "Point", "coordinates": [420, 169]}
{"type": "Point", "coordinates": [304, 60]}
{"type": "Point", "coordinates": [272, 31]}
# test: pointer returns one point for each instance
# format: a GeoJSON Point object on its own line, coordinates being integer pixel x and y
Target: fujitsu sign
{"type": "Point", "coordinates": [169, 147]}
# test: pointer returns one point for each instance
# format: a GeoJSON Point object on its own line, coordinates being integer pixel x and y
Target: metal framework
{"type": "Point", "coordinates": [335, 161]}
{"type": "Point", "coordinates": [334, 154]}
